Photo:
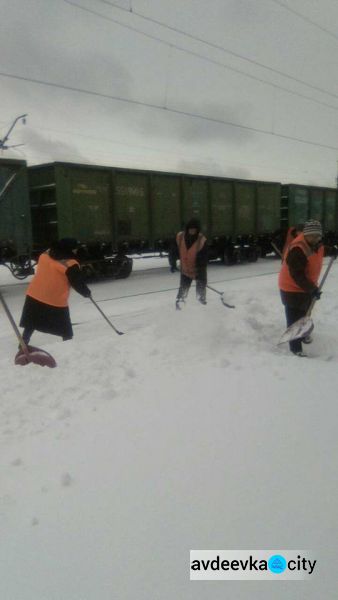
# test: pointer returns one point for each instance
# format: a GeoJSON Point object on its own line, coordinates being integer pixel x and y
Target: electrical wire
{"type": "Point", "coordinates": [301, 16]}
{"type": "Point", "coordinates": [201, 157]}
{"type": "Point", "coordinates": [165, 109]}
{"type": "Point", "coordinates": [198, 39]}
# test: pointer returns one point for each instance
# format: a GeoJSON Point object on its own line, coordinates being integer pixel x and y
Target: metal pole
{"type": "Point", "coordinates": [2, 142]}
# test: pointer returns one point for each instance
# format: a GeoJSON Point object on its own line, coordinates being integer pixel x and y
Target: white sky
{"type": "Point", "coordinates": [268, 67]}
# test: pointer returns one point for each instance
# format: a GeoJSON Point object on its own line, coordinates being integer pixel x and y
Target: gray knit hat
{"type": "Point", "coordinates": [313, 227]}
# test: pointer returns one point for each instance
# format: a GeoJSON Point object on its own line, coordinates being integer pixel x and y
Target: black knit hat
{"type": "Point", "coordinates": [193, 224]}
{"type": "Point", "coordinates": [63, 248]}
{"type": "Point", "coordinates": [68, 243]}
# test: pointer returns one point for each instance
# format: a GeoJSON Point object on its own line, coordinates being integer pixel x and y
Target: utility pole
{"type": "Point", "coordinates": [4, 140]}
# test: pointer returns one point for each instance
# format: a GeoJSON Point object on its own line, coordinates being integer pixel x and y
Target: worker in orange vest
{"type": "Point", "coordinates": [292, 233]}
{"type": "Point", "coordinates": [298, 278]}
{"type": "Point", "coordinates": [46, 305]}
{"type": "Point", "coordinates": [193, 253]}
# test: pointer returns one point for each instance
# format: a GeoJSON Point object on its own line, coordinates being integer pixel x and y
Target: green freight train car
{"type": "Point", "coordinates": [300, 203]}
{"type": "Point", "coordinates": [116, 211]}
{"type": "Point", "coordinates": [15, 217]}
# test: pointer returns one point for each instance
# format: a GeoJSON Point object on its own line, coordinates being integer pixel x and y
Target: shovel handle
{"type": "Point", "coordinates": [331, 261]}
{"type": "Point", "coordinates": [105, 317]}
{"type": "Point", "coordinates": [277, 250]}
{"type": "Point", "coordinates": [323, 279]}
{"type": "Point", "coordinates": [14, 325]}
{"type": "Point", "coordinates": [216, 291]}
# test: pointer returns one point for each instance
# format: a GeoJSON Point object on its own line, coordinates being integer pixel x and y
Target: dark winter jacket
{"type": "Point", "coordinates": [297, 261]}
{"type": "Point", "coordinates": [77, 282]}
{"type": "Point", "coordinates": [202, 255]}
{"type": "Point", "coordinates": [63, 250]}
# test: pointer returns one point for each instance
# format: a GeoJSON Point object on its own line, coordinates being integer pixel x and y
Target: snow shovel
{"type": "Point", "coordinates": [277, 250]}
{"type": "Point", "coordinates": [222, 297]}
{"type": "Point", "coordinates": [304, 326]}
{"type": "Point", "coordinates": [27, 354]}
{"type": "Point", "coordinates": [105, 317]}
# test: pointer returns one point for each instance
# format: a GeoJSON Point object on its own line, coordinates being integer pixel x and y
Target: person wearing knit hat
{"type": "Point", "coordinates": [46, 304]}
{"type": "Point", "coordinates": [291, 234]}
{"type": "Point", "coordinates": [313, 228]}
{"type": "Point", "coordinates": [298, 278]}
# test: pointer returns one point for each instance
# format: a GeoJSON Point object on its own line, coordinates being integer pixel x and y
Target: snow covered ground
{"type": "Point", "coordinates": [191, 431]}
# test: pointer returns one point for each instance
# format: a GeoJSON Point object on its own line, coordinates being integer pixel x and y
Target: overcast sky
{"type": "Point", "coordinates": [237, 88]}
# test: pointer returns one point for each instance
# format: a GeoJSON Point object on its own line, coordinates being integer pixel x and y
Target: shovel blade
{"type": "Point", "coordinates": [297, 330]}
{"type": "Point", "coordinates": [36, 356]}
{"type": "Point", "coordinates": [226, 303]}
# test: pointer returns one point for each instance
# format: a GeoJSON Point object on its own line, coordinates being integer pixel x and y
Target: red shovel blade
{"type": "Point", "coordinates": [35, 355]}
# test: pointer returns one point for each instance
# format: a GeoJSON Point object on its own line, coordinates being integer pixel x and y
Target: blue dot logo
{"type": "Point", "coordinates": [277, 563]}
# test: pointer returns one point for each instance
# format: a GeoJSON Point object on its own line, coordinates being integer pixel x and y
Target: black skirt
{"type": "Point", "coordinates": [46, 318]}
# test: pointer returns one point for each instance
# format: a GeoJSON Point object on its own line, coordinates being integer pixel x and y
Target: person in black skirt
{"type": "Point", "coordinates": [46, 304]}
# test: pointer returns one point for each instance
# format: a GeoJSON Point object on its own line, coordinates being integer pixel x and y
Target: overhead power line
{"type": "Point", "coordinates": [198, 157]}
{"type": "Point", "coordinates": [197, 39]}
{"type": "Point", "coordinates": [301, 16]}
{"type": "Point", "coordinates": [165, 109]}
{"type": "Point", "coordinates": [207, 59]}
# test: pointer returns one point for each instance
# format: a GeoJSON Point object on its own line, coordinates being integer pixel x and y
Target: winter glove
{"type": "Point", "coordinates": [86, 293]}
{"type": "Point", "coordinates": [316, 293]}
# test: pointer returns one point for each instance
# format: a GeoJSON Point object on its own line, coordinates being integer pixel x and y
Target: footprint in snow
{"type": "Point", "coordinates": [131, 373]}
{"type": "Point", "coordinates": [66, 480]}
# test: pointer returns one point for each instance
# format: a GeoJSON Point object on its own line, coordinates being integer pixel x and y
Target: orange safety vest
{"type": "Point", "coordinates": [188, 256]}
{"type": "Point", "coordinates": [312, 269]}
{"type": "Point", "coordinates": [289, 239]}
{"type": "Point", "coordinates": [50, 284]}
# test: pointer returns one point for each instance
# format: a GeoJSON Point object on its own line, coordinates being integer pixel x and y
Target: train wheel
{"type": "Point", "coordinates": [125, 267]}
{"type": "Point", "coordinates": [252, 255]}
{"type": "Point", "coordinates": [228, 258]}
{"type": "Point", "coordinates": [23, 270]}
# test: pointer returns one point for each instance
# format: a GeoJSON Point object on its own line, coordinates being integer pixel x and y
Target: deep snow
{"type": "Point", "coordinates": [192, 431]}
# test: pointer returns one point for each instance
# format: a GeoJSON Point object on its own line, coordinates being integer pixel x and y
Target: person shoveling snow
{"type": "Point", "coordinates": [46, 305]}
{"type": "Point", "coordinates": [298, 277]}
{"type": "Point", "coordinates": [298, 282]}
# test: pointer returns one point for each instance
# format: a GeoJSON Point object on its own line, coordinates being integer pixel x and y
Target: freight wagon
{"type": "Point", "coordinates": [300, 203]}
{"type": "Point", "coordinates": [119, 212]}
{"type": "Point", "coordinates": [115, 212]}
{"type": "Point", "coordinates": [15, 218]}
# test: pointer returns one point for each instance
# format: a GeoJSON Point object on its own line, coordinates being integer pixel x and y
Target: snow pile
{"type": "Point", "coordinates": [191, 431]}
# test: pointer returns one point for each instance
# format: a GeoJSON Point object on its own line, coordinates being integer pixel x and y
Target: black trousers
{"type": "Point", "coordinates": [185, 283]}
{"type": "Point", "coordinates": [292, 315]}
